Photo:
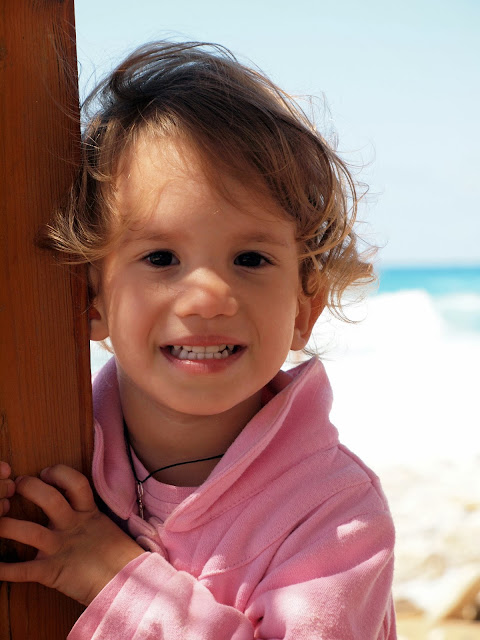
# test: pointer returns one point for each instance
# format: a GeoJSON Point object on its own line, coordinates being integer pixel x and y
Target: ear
{"type": "Point", "coordinates": [96, 320]}
{"type": "Point", "coordinates": [96, 312]}
{"type": "Point", "coordinates": [309, 309]}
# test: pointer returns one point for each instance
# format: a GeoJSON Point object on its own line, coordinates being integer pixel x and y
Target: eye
{"type": "Point", "coordinates": [251, 259]}
{"type": "Point", "coordinates": [162, 259]}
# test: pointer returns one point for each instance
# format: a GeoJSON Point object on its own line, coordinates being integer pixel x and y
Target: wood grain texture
{"type": "Point", "coordinates": [45, 394]}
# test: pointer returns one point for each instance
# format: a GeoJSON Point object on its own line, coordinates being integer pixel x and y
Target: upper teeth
{"type": "Point", "coordinates": [201, 352]}
{"type": "Point", "coordinates": [209, 349]}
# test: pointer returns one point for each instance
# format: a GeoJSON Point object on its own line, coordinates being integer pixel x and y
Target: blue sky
{"type": "Point", "coordinates": [400, 79]}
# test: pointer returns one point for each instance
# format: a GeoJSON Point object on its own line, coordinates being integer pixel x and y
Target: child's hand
{"type": "Point", "coordinates": [80, 551]}
{"type": "Point", "coordinates": [7, 487]}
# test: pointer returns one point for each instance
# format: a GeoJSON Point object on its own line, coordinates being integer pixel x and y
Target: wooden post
{"type": "Point", "coordinates": [45, 395]}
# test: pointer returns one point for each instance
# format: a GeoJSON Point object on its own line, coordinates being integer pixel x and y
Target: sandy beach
{"type": "Point", "coordinates": [418, 628]}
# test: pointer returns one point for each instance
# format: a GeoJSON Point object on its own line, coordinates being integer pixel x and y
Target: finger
{"type": "Point", "coordinates": [76, 486]}
{"type": "Point", "coordinates": [30, 571]}
{"type": "Point", "coordinates": [7, 488]}
{"type": "Point", "coordinates": [29, 533]}
{"type": "Point", "coordinates": [5, 470]}
{"type": "Point", "coordinates": [49, 499]}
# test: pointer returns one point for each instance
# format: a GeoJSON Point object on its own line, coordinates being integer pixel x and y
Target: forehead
{"type": "Point", "coordinates": [152, 163]}
{"type": "Point", "coordinates": [161, 174]}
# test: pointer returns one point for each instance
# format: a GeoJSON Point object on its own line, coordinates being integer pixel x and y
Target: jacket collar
{"type": "Point", "coordinates": [301, 395]}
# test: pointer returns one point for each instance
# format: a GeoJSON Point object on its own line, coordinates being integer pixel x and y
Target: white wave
{"type": "Point", "coordinates": [461, 311]}
{"type": "Point", "coordinates": [405, 388]}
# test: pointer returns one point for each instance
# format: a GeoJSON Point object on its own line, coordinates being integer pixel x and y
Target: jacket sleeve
{"type": "Point", "coordinates": [336, 586]}
{"type": "Point", "coordinates": [149, 600]}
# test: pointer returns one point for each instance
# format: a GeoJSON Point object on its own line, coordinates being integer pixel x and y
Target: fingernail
{"type": "Point", "coordinates": [44, 471]}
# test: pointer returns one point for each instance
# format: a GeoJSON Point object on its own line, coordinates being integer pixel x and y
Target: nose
{"type": "Point", "coordinates": [206, 294]}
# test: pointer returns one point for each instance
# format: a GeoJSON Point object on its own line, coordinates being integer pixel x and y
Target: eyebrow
{"type": "Point", "coordinates": [262, 238]}
{"type": "Point", "coordinates": [255, 237]}
{"type": "Point", "coordinates": [142, 236]}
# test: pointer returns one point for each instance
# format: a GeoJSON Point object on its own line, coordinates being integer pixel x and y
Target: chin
{"type": "Point", "coordinates": [208, 405]}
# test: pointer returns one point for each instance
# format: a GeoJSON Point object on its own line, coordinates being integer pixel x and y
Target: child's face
{"type": "Point", "coordinates": [195, 270]}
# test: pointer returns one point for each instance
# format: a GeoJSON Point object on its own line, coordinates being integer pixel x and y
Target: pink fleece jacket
{"type": "Point", "coordinates": [289, 537]}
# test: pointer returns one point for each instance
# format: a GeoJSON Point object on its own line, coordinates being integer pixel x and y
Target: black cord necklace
{"type": "Point", "coordinates": [138, 482]}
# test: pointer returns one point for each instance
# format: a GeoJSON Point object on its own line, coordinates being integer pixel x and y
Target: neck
{"type": "Point", "coordinates": [157, 472]}
{"type": "Point", "coordinates": [161, 437]}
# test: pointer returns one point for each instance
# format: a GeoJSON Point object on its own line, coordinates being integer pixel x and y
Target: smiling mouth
{"type": "Point", "coordinates": [213, 352]}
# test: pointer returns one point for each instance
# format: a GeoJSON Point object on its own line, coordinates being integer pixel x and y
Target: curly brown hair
{"type": "Point", "coordinates": [240, 124]}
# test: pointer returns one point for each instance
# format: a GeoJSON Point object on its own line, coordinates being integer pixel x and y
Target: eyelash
{"type": "Point", "coordinates": [263, 259]}
{"type": "Point", "coordinates": [151, 256]}
{"type": "Point", "coordinates": [154, 255]}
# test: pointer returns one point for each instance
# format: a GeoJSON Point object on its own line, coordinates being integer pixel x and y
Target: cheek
{"type": "Point", "coordinates": [277, 319]}
{"type": "Point", "coordinates": [131, 312]}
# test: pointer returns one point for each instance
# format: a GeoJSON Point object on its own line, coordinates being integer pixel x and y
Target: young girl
{"type": "Point", "coordinates": [216, 225]}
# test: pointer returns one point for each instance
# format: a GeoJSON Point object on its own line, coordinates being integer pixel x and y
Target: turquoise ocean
{"type": "Point", "coordinates": [441, 280]}
{"type": "Point", "coordinates": [454, 291]}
